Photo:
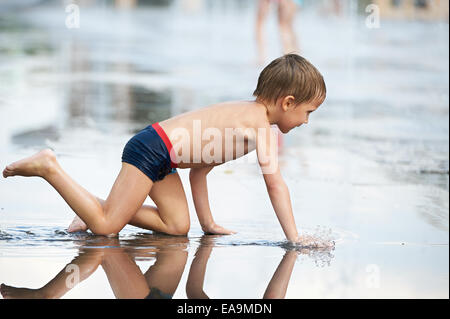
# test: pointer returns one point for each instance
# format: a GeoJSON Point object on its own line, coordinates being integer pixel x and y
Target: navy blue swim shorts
{"type": "Point", "coordinates": [149, 151]}
{"type": "Point", "coordinates": [155, 293]}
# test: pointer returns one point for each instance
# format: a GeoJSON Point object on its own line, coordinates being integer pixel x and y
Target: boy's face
{"type": "Point", "coordinates": [294, 115]}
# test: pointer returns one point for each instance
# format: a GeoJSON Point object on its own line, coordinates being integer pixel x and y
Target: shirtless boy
{"type": "Point", "coordinates": [288, 90]}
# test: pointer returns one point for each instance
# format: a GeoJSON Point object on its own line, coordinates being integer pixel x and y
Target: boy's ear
{"type": "Point", "coordinates": [288, 102]}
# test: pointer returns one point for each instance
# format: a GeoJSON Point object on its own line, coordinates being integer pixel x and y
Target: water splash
{"type": "Point", "coordinates": [317, 245]}
{"type": "Point", "coordinates": [322, 237]}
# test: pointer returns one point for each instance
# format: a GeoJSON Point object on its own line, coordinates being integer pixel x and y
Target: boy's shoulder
{"type": "Point", "coordinates": [255, 113]}
{"type": "Point", "coordinates": [247, 114]}
{"type": "Point", "coordinates": [232, 115]}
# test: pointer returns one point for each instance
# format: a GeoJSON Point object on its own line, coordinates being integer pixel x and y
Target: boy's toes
{"type": "Point", "coordinates": [8, 171]}
{"type": "Point", "coordinates": [77, 225]}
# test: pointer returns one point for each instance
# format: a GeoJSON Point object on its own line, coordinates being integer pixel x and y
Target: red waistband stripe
{"type": "Point", "coordinates": [167, 142]}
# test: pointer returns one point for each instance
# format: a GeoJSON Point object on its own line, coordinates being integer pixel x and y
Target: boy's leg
{"type": "Point", "coordinates": [286, 15]}
{"type": "Point", "coordinates": [165, 274]}
{"type": "Point", "coordinates": [262, 12]}
{"type": "Point", "coordinates": [124, 275]}
{"type": "Point", "coordinates": [86, 263]}
{"type": "Point", "coordinates": [126, 197]}
{"type": "Point", "coordinates": [171, 216]}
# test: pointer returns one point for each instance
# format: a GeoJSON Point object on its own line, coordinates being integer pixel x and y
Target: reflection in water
{"type": "Point", "coordinates": [119, 264]}
{"type": "Point", "coordinates": [36, 137]}
{"type": "Point", "coordinates": [97, 92]}
{"type": "Point", "coordinates": [118, 259]}
{"type": "Point", "coordinates": [276, 288]}
{"type": "Point", "coordinates": [434, 208]}
{"type": "Point", "coordinates": [125, 103]}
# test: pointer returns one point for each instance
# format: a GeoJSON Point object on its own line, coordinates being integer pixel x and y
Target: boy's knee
{"type": "Point", "coordinates": [105, 230]}
{"type": "Point", "coordinates": [179, 228]}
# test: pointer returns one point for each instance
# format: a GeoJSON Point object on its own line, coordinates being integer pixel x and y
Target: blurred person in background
{"type": "Point", "coordinates": [286, 15]}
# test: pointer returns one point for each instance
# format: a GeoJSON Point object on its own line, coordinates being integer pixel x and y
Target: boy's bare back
{"type": "Point", "coordinates": [216, 134]}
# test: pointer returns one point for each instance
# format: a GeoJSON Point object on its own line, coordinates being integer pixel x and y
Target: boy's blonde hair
{"type": "Point", "coordinates": [293, 75]}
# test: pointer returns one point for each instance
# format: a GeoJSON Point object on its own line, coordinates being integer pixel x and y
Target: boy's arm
{"type": "Point", "coordinates": [199, 188]}
{"type": "Point", "coordinates": [267, 152]}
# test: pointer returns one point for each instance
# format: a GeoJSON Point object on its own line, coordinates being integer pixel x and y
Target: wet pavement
{"type": "Point", "coordinates": [370, 170]}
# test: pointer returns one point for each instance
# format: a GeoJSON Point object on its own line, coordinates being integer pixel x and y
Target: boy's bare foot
{"type": "Point", "coordinates": [77, 225]}
{"type": "Point", "coordinates": [9, 292]}
{"type": "Point", "coordinates": [38, 164]}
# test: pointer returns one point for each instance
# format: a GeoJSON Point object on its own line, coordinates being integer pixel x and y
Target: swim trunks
{"type": "Point", "coordinates": [155, 293]}
{"type": "Point", "coordinates": [149, 151]}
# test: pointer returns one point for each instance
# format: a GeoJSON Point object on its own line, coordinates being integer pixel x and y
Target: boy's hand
{"type": "Point", "coordinates": [215, 229]}
{"type": "Point", "coordinates": [313, 242]}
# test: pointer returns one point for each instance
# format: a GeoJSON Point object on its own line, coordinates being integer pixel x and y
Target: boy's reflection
{"type": "Point", "coordinates": [118, 261]}
{"type": "Point", "coordinates": [160, 281]}
{"type": "Point", "coordinates": [275, 290]}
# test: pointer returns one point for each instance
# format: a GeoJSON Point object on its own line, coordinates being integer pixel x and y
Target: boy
{"type": "Point", "coordinates": [288, 90]}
